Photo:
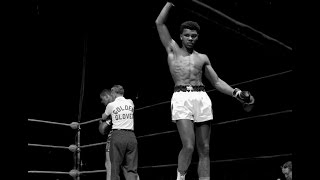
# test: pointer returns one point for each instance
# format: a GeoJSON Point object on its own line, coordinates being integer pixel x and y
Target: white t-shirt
{"type": "Point", "coordinates": [121, 111]}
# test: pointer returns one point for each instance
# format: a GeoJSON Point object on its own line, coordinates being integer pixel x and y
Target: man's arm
{"type": "Point", "coordinates": [107, 112]}
{"type": "Point", "coordinates": [214, 79]}
{"type": "Point", "coordinates": [162, 28]}
{"type": "Point", "coordinates": [104, 116]}
{"type": "Point", "coordinates": [243, 96]}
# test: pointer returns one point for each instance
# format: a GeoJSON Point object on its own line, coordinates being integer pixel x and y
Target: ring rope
{"type": "Point", "coordinates": [48, 172]}
{"type": "Point", "coordinates": [155, 134]}
{"type": "Point", "coordinates": [257, 116]}
{"type": "Point", "coordinates": [264, 77]}
{"type": "Point", "coordinates": [235, 30]}
{"type": "Point", "coordinates": [87, 122]}
{"type": "Point", "coordinates": [49, 122]}
{"type": "Point", "coordinates": [156, 104]}
{"type": "Point", "coordinates": [95, 144]}
{"type": "Point", "coordinates": [225, 122]}
{"type": "Point", "coordinates": [49, 146]}
{"type": "Point", "coordinates": [241, 24]}
{"type": "Point", "coordinates": [169, 165]}
{"type": "Point", "coordinates": [225, 160]}
{"type": "Point", "coordinates": [93, 171]}
{"type": "Point", "coordinates": [59, 172]}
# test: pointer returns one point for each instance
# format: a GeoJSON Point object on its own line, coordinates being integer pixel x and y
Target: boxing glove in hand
{"type": "Point", "coordinates": [104, 127]}
{"type": "Point", "coordinates": [246, 99]}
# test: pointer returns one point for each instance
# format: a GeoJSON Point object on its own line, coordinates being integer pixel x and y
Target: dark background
{"type": "Point", "coordinates": [116, 42]}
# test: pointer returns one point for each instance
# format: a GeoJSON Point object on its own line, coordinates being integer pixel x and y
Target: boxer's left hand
{"type": "Point", "coordinates": [245, 98]}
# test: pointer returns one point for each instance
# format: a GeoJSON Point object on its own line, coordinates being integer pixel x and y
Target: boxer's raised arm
{"type": "Point", "coordinates": [162, 28]}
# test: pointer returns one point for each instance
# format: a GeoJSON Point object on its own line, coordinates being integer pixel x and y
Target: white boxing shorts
{"type": "Point", "coordinates": [189, 104]}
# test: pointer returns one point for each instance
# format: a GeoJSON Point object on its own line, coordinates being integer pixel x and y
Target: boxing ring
{"type": "Point", "coordinates": [76, 147]}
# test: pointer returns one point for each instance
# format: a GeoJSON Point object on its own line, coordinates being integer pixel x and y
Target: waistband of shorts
{"type": "Point", "coordinates": [189, 88]}
{"type": "Point", "coordinates": [123, 130]}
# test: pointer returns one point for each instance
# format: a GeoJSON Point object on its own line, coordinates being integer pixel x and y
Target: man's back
{"type": "Point", "coordinates": [122, 113]}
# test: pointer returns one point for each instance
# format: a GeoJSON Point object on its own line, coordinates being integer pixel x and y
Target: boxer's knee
{"type": "Point", "coordinates": [204, 150]}
{"type": "Point", "coordinates": [188, 148]}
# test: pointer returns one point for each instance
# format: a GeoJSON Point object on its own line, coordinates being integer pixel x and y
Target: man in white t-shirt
{"type": "Point", "coordinates": [123, 143]}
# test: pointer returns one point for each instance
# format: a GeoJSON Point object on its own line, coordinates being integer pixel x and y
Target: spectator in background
{"type": "Point", "coordinates": [286, 169]}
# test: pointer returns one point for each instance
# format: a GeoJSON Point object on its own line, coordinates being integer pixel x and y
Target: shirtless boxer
{"type": "Point", "coordinates": [190, 105]}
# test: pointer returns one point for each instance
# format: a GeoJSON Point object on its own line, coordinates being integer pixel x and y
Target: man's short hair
{"type": "Point", "coordinates": [287, 165]}
{"type": "Point", "coordinates": [189, 25]}
{"type": "Point", "coordinates": [118, 89]}
{"type": "Point", "coordinates": [105, 92]}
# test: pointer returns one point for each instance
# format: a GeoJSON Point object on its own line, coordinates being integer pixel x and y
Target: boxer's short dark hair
{"type": "Point", "coordinates": [189, 25]}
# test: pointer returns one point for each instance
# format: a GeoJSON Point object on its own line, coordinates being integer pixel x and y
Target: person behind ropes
{"type": "Point", "coordinates": [104, 129]}
{"type": "Point", "coordinates": [123, 142]}
{"type": "Point", "coordinates": [191, 107]}
{"type": "Point", "coordinates": [287, 170]}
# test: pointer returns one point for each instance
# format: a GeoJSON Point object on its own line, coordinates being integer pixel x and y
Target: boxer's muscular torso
{"type": "Point", "coordinates": [186, 69]}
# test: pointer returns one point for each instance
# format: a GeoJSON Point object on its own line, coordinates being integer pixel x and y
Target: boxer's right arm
{"type": "Point", "coordinates": [162, 29]}
{"type": "Point", "coordinates": [214, 79]}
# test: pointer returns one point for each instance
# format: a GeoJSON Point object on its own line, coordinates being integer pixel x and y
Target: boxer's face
{"type": "Point", "coordinates": [189, 38]}
{"type": "Point", "coordinates": [106, 99]}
